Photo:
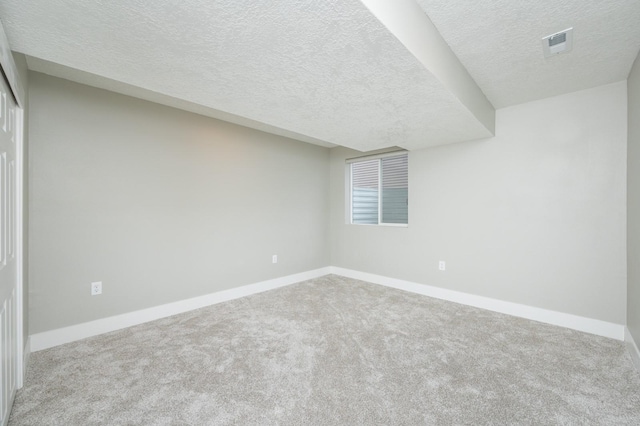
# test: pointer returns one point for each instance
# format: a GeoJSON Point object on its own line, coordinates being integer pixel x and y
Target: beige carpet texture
{"type": "Point", "coordinates": [333, 351]}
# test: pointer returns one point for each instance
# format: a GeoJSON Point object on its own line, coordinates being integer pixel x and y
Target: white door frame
{"type": "Point", "coordinates": [11, 73]}
{"type": "Point", "coordinates": [20, 355]}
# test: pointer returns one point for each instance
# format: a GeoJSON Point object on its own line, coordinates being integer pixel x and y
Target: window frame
{"type": "Point", "coordinates": [349, 185]}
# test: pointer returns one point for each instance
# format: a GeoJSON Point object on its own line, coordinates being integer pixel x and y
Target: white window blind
{"type": "Point", "coordinates": [364, 192]}
{"type": "Point", "coordinates": [379, 190]}
{"type": "Point", "coordinates": [395, 189]}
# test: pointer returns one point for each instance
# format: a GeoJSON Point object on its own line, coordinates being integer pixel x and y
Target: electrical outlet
{"type": "Point", "coordinates": [96, 288]}
{"type": "Point", "coordinates": [274, 258]}
{"type": "Point", "coordinates": [442, 265]}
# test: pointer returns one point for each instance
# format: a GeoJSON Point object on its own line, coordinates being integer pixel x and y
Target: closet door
{"type": "Point", "coordinates": [8, 269]}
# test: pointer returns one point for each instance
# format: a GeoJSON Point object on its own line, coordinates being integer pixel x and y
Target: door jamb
{"type": "Point", "coordinates": [10, 71]}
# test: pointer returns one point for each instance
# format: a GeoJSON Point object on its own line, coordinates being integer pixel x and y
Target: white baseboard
{"type": "Point", "coordinates": [633, 348]}
{"type": "Point", "coordinates": [72, 333]}
{"type": "Point", "coordinates": [574, 322]}
{"type": "Point", "coordinates": [48, 339]}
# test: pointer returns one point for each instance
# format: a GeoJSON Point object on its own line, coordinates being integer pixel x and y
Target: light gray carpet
{"type": "Point", "coordinates": [333, 351]}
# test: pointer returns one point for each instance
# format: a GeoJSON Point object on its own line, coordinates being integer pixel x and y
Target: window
{"type": "Point", "coordinates": [379, 189]}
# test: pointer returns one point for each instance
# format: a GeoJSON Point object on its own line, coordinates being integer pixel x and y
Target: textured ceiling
{"type": "Point", "coordinates": [331, 72]}
{"type": "Point", "coordinates": [327, 70]}
{"type": "Point", "coordinates": [498, 41]}
{"type": "Point", "coordinates": [57, 70]}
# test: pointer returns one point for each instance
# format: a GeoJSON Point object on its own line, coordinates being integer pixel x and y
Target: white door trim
{"type": "Point", "coordinates": [13, 78]}
{"type": "Point", "coordinates": [21, 368]}
{"type": "Point", "coordinates": [10, 70]}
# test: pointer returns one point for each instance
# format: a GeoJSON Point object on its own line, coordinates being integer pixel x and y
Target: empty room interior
{"type": "Point", "coordinates": [339, 213]}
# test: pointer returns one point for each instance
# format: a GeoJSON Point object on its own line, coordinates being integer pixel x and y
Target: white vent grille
{"type": "Point", "coordinates": [561, 42]}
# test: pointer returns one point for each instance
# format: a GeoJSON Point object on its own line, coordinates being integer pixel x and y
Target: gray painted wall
{"type": "Point", "coordinates": [159, 204]}
{"type": "Point", "coordinates": [23, 73]}
{"type": "Point", "coordinates": [633, 203]}
{"type": "Point", "coordinates": [162, 205]}
{"type": "Point", "coordinates": [535, 215]}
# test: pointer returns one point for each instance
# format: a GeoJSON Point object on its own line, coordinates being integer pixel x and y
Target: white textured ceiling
{"type": "Point", "coordinates": [498, 41]}
{"type": "Point", "coordinates": [328, 70]}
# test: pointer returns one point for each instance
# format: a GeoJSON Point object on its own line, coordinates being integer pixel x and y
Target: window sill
{"type": "Point", "coordinates": [390, 225]}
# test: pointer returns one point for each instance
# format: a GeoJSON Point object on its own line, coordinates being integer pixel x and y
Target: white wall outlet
{"type": "Point", "coordinates": [442, 265]}
{"type": "Point", "coordinates": [274, 258]}
{"type": "Point", "coordinates": [96, 288]}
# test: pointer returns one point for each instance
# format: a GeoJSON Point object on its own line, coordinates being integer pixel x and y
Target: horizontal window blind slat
{"type": "Point", "coordinates": [365, 174]}
{"type": "Point", "coordinates": [365, 205]}
{"type": "Point", "coordinates": [395, 183]}
{"type": "Point", "coordinates": [395, 172]}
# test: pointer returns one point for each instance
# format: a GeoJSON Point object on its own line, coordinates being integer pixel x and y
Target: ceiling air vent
{"type": "Point", "coordinates": [557, 43]}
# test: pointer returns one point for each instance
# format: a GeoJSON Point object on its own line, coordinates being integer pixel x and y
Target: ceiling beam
{"type": "Point", "coordinates": [406, 20]}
